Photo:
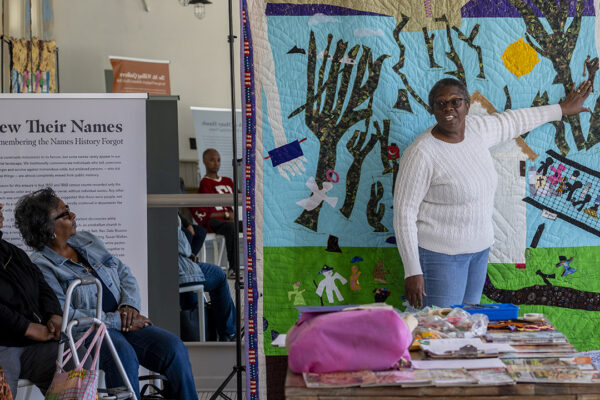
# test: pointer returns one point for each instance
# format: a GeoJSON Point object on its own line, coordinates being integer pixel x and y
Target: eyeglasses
{"type": "Point", "coordinates": [455, 103]}
{"type": "Point", "coordinates": [67, 213]}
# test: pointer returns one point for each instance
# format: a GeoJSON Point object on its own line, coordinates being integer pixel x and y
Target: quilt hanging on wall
{"type": "Point", "coordinates": [32, 66]}
{"type": "Point", "coordinates": [335, 91]}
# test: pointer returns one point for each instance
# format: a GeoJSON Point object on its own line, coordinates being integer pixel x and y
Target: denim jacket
{"type": "Point", "coordinates": [189, 271]}
{"type": "Point", "coordinates": [60, 272]}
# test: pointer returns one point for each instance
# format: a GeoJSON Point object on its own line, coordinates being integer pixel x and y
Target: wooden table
{"type": "Point", "coordinates": [296, 390]}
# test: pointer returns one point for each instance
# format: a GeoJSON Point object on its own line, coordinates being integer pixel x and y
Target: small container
{"type": "Point", "coordinates": [495, 312]}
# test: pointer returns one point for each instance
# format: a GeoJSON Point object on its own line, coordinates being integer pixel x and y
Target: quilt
{"type": "Point", "coordinates": [335, 90]}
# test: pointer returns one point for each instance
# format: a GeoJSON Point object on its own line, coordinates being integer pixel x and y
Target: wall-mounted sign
{"type": "Point", "coordinates": [138, 75]}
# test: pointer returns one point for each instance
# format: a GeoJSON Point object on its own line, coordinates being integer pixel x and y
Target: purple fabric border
{"type": "Point", "coordinates": [249, 129]}
{"type": "Point", "coordinates": [473, 9]}
{"type": "Point", "coordinates": [503, 8]}
{"type": "Point", "coordinates": [312, 9]}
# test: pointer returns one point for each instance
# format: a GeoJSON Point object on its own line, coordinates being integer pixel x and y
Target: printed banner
{"type": "Point", "coordinates": [136, 75]}
{"type": "Point", "coordinates": [213, 131]}
{"type": "Point", "coordinates": [91, 149]}
{"type": "Point", "coordinates": [336, 90]}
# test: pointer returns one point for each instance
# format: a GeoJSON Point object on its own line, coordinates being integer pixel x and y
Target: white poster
{"type": "Point", "coordinates": [213, 131]}
{"type": "Point", "coordinates": [91, 149]}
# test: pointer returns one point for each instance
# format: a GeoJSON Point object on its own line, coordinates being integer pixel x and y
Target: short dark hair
{"type": "Point", "coordinates": [208, 151]}
{"type": "Point", "coordinates": [32, 217]}
{"type": "Point", "coordinates": [445, 83]}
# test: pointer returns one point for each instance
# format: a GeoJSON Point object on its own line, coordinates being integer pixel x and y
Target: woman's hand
{"type": "Point", "coordinates": [573, 103]}
{"type": "Point", "coordinates": [38, 332]}
{"type": "Point", "coordinates": [414, 290]}
{"type": "Point", "coordinates": [140, 322]}
{"type": "Point", "coordinates": [128, 315]}
{"type": "Point", "coordinates": [54, 324]}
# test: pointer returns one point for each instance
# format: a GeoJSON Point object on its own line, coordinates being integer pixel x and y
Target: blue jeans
{"type": "Point", "coordinates": [215, 283]}
{"type": "Point", "coordinates": [154, 348]}
{"type": "Point", "coordinates": [453, 279]}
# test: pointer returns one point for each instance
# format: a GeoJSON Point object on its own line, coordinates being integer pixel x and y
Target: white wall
{"type": "Point", "coordinates": [88, 31]}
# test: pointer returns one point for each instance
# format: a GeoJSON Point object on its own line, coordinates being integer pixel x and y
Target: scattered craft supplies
{"type": "Point", "coordinates": [520, 325]}
{"type": "Point", "coordinates": [445, 323]}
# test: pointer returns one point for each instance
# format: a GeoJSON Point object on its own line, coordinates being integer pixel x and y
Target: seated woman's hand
{"type": "Point", "coordinates": [38, 332]}
{"type": "Point", "coordinates": [128, 315]}
{"type": "Point", "coordinates": [54, 324]}
{"type": "Point", "coordinates": [140, 322]}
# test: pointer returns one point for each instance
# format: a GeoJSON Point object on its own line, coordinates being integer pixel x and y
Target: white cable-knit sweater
{"type": "Point", "coordinates": [444, 193]}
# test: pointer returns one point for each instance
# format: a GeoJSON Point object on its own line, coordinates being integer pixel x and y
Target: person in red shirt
{"type": "Point", "coordinates": [217, 219]}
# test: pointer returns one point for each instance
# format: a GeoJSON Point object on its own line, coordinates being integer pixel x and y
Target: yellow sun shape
{"type": "Point", "coordinates": [520, 58]}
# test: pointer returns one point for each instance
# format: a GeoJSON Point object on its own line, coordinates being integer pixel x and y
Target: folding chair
{"type": "Point", "coordinates": [199, 289]}
{"type": "Point", "coordinates": [218, 243]}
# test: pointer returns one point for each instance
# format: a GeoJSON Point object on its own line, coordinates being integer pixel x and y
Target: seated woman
{"type": "Point", "coordinates": [30, 316]}
{"type": "Point", "coordinates": [213, 278]}
{"type": "Point", "coordinates": [62, 254]}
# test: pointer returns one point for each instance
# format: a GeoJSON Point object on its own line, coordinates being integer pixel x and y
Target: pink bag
{"type": "Point", "coordinates": [78, 384]}
{"type": "Point", "coordinates": [372, 339]}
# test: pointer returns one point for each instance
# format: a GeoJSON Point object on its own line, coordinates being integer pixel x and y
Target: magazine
{"type": "Point", "coordinates": [532, 348]}
{"type": "Point", "coordinates": [492, 376]}
{"type": "Point", "coordinates": [463, 348]}
{"type": "Point", "coordinates": [452, 377]}
{"type": "Point", "coordinates": [537, 355]}
{"type": "Point", "coordinates": [405, 377]}
{"type": "Point", "coordinates": [338, 379]}
{"type": "Point", "coordinates": [580, 362]}
{"type": "Point", "coordinates": [458, 363]}
{"type": "Point", "coordinates": [553, 370]}
{"type": "Point", "coordinates": [524, 338]}
{"type": "Point", "coordinates": [555, 375]}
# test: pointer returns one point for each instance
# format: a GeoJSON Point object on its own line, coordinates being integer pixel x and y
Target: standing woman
{"type": "Point", "coordinates": [63, 254]}
{"type": "Point", "coordinates": [444, 193]}
{"type": "Point", "coordinates": [30, 317]}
